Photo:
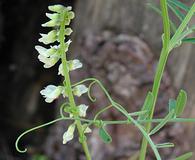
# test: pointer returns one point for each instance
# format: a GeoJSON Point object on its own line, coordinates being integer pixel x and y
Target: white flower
{"type": "Point", "coordinates": [79, 90]}
{"type": "Point", "coordinates": [69, 134]}
{"type": "Point", "coordinates": [52, 23]}
{"type": "Point", "coordinates": [53, 16]}
{"type": "Point", "coordinates": [72, 65]}
{"type": "Point", "coordinates": [48, 62]}
{"type": "Point", "coordinates": [51, 92]}
{"type": "Point", "coordinates": [58, 8]}
{"type": "Point", "coordinates": [82, 110]}
{"type": "Point", "coordinates": [46, 52]}
{"type": "Point", "coordinates": [51, 37]}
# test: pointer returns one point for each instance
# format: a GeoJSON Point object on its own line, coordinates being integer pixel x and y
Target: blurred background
{"type": "Point", "coordinates": [119, 43]}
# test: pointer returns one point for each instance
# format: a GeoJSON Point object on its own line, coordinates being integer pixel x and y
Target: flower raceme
{"type": "Point", "coordinates": [52, 55]}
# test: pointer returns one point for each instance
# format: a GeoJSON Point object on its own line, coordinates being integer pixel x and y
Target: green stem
{"type": "Point", "coordinates": [67, 85]}
{"type": "Point", "coordinates": [168, 45]}
{"type": "Point", "coordinates": [159, 72]}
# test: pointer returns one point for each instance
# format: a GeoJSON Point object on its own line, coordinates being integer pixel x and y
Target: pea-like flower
{"type": "Point", "coordinates": [51, 92]}
{"type": "Point", "coordinates": [48, 56]}
{"type": "Point", "coordinates": [69, 134]}
{"type": "Point", "coordinates": [46, 52]}
{"type": "Point", "coordinates": [82, 110]}
{"type": "Point", "coordinates": [48, 62]}
{"type": "Point", "coordinates": [79, 90]}
{"type": "Point", "coordinates": [72, 65]}
{"type": "Point", "coordinates": [51, 37]}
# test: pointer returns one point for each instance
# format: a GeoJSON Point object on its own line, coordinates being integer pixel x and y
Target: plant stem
{"type": "Point", "coordinates": [159, 72]}
{"type": "Point", "coordinates": [67, 85]}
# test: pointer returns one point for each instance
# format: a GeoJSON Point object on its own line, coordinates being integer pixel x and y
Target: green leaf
{"type": "Point", "coordinates": [104, 135]}
{"type": "Point", "coordinates": [180, 5]}
{"type": "Point", "coordinates": [176, 11]}
{"type": "Point", "coordinates": [147, 106]}
{"type": "Point", "coordinates": [181, 102]}
{"type": "Point", "coordinates": [172, 104]}
{"type": "Point", "coordinates": [184, 156]}
{"type": "Point", "coordinates": [163, 122]}
{"type": "Point", "coordinates": [189, 40]}
{"type": "Point", "coordinates": [165, 145]}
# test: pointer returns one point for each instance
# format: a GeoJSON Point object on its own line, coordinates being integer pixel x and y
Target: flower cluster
{"type": "Point", "coordinates": [52, 55]}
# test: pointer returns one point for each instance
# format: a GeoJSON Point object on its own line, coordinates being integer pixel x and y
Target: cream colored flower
{"type": "Point", "coordinates": [51, 92]}
{"type": "Point", "coordinates": [72, 65]}
{"type": "Point", "coordinates": [51, 37]}
{"type": "Point", "coordinates": [69, 134]}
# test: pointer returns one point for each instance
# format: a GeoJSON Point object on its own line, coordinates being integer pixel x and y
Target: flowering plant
{"type": "Point", "coordinates": [59, 18]}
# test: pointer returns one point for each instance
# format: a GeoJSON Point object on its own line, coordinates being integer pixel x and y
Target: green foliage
{"type": "Point", "coordinates": [104, 135]}
{"type": "Point", "coordinates": [59, 20]}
